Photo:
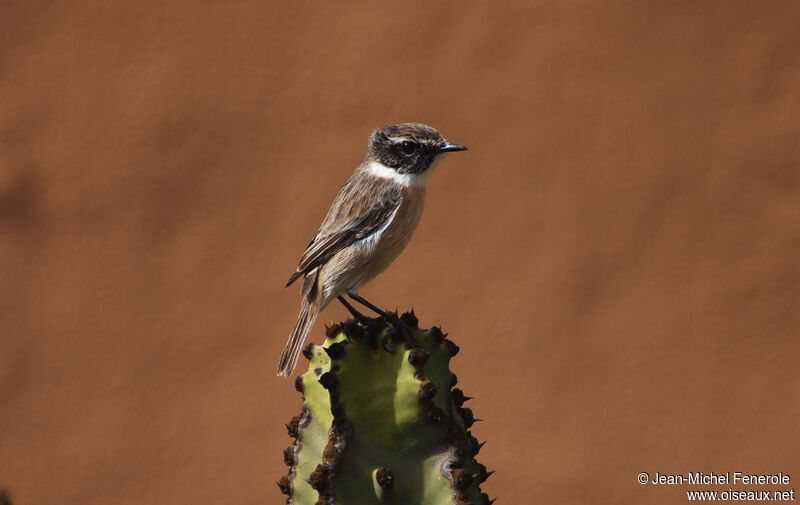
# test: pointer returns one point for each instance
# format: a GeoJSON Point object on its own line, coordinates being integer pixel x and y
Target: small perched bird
{"type": "Point", "coordinates": [368, 225]}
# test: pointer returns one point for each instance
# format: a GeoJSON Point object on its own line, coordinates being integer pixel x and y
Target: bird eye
{"type": "Point", "coordinates": [408, 147]}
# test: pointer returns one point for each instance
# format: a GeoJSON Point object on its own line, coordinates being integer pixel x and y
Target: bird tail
{"type": "Point", "coordinates": [308, 315]}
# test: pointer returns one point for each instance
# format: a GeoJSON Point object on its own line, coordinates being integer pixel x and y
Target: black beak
{"type": "Point", "coordinates": [448, 147]}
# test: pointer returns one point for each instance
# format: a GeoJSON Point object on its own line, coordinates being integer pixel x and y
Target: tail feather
{"type": "Point", "coordinates": [306, 319]}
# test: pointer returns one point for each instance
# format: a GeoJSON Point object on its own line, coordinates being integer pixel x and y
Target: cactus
{"type": "Point", "coordinates": [382, 427]}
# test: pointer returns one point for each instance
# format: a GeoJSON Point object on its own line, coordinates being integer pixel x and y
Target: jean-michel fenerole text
{"type": "Point", "coordinates": [728, 478]}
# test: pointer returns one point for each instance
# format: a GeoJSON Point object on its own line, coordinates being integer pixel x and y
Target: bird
{"type": "Point", "coordinates": [368, 225]}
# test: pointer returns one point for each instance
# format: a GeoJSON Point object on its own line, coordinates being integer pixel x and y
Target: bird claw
{"type": "Point", "coordinates": [399, 328]}
{"type": "Point", "coordinates": [408, 335]}
{"type": "Point", "coordinates": [385, 339]}
{"type": "Point", "coordinates": [402, 328]}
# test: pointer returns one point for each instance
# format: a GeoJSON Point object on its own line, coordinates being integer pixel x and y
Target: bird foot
{"type": "Point", "coordinates": [398, 330]}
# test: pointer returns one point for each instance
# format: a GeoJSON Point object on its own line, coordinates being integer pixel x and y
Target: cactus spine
{"type": "Point", "coordinates": [379, 427]}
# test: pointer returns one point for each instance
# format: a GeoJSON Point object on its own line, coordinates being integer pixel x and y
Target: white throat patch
{"type": "Point", "coordinates": [380, 170]}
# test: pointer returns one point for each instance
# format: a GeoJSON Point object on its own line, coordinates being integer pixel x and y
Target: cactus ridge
{"type": "Point", "coordinates": [382, 426]}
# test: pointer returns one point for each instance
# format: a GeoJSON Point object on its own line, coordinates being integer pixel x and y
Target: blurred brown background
{"type": "Point", "coordinates": [616, 255]}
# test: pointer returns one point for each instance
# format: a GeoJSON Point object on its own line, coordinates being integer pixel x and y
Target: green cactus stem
{"type": "Point", "coordinates": [382, 428]}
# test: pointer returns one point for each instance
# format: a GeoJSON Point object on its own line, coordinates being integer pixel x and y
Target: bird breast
{"type": "Point", "coordinates": [393, 236]}
{"type": "Point", "coordinates": [357, 264]}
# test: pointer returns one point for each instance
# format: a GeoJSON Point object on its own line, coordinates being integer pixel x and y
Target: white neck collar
{"type": "Point", "coordinates": [378, 169]}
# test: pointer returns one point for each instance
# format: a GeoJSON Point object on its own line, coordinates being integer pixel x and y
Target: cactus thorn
{"type": "Point", "coordinates": [293, 428]}
{"type": "Point", "coordinates": [288, 456]}
{"type": "Point", "coordinates": [328, 380]}
{"type": "Point", "coordinates": [466, 415]}
{"type": "Point", "coordinates": [427, 391]}
{"type": "Point", "coordinates": [458, 397]}
{"type": "Point", "coordinates": [308, 351]}
{"type": "Point", "coordinates": [452, 347]}
{"type": "Point", "coordinates": [384, 478]}
{"type": "Point", "coordinates": [319, 478]}
{"type": "Point", "coordinates": [330, 453]}
{"type": "Point", "coordinates": [461, 479]}
{"type": "Point", "coordinates": [333, 330]}
{"type": "Point", "coordinates": [335, 351]}
{"type": "Point", "coordinates": [437, 415]}
{"type": "Point", "coordinates": [284, 485]}
{"type": "Point", "coordinates": [418, 357]}
{"type": "Point", "coordinates": [410, 318]}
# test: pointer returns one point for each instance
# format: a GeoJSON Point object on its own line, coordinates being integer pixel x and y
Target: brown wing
{"type": "Point", "coordinates": [360, 226]}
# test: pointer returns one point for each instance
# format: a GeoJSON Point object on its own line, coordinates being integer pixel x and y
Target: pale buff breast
{"type": "Point", "coordinates": [359, 263]}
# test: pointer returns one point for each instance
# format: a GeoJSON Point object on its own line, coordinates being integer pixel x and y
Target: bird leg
{"type": "Point", "coordinates": [358, 316]}
{"type": "Point", "coordinates": [398, 325]}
